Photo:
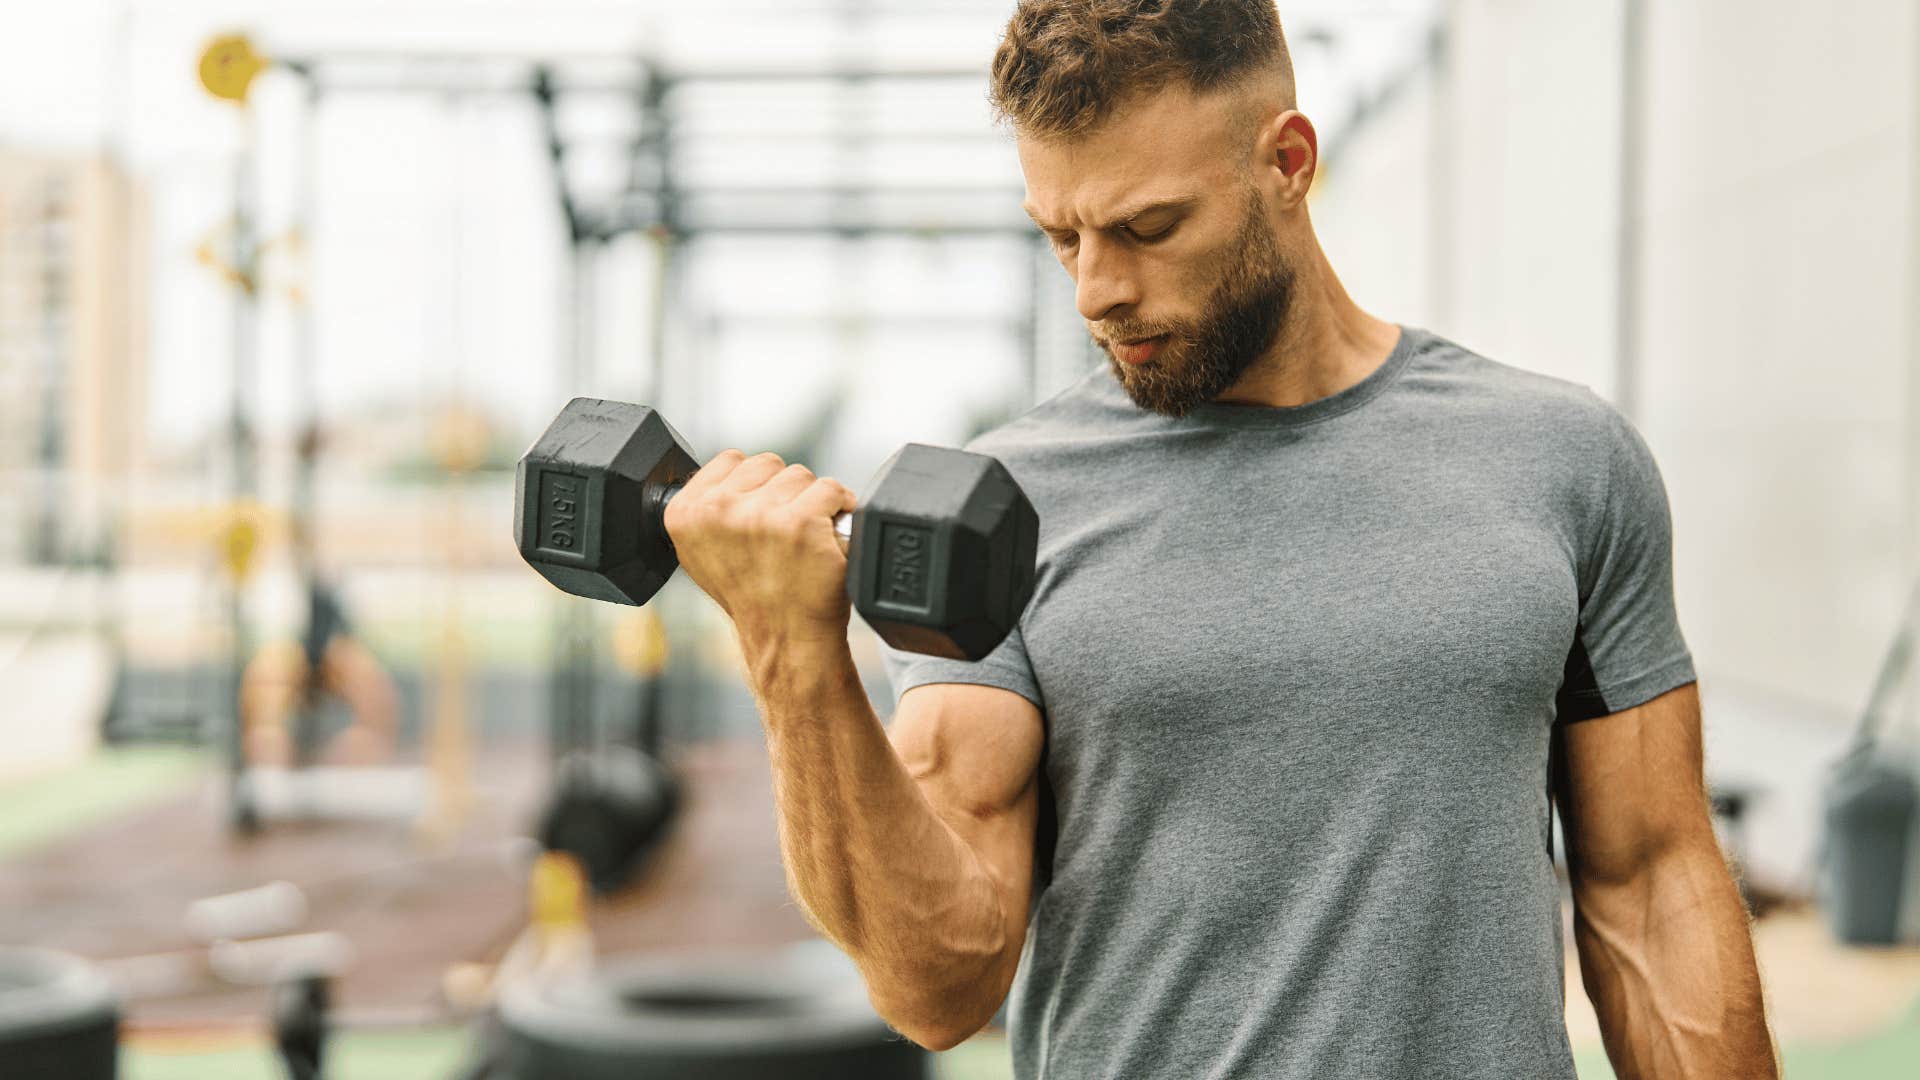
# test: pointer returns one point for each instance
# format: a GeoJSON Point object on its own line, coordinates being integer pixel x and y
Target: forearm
{"type": "Point", "coordinates": [869, 861]}
{"type": "Point", "coordinates": [1667, 958]}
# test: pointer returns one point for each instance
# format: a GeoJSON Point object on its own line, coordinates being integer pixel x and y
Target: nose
{"type": "Point", "coordinates": [1104, 281]}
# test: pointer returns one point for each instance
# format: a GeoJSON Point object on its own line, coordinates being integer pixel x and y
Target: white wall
{"type": "Point", "coordinates": [1776, 351]}
{"type": "Point", "coordinates": [1372, 206]}
{"type": "Point", "coordinates": [1777, 355]}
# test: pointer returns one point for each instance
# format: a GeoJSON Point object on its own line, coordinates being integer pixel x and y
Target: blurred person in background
{"type": "Point", "coordinates": [285, 684]}
{"type": "Point", "coordinates": [1330, 613]}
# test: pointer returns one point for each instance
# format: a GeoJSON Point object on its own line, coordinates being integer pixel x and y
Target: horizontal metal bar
{"type": "Point", "coordinates": [322, 68]}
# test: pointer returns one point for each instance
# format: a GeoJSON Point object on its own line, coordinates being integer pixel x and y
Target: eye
{"type": "Point", "coordinates": [1149, 233]}
{"type": "Point", "coordinates": [1062, 241]}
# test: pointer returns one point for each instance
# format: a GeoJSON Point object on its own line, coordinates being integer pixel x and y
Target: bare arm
{"type": "Point", "coordinates": [915, 856]}
{"type": "Point", "coordinates": [1665, 950]}
{"type": "Point", "coordinates": [919, 870]}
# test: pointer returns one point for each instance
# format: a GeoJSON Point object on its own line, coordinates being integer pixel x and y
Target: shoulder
{"type": "Point", "coordinates": [1443, 368]}
{"type": "Point", "coordinates": [1558, 421]}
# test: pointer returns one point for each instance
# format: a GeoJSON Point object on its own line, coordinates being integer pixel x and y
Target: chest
{"type": "Point", "coordinates": [1292, 602]}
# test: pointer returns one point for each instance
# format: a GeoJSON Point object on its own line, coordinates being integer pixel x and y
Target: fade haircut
{"type": "Point", "coordinates": [1063, 65]}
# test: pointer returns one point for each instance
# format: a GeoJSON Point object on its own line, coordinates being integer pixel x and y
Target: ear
{"type": "Point", "coordinates": [1294, 156]}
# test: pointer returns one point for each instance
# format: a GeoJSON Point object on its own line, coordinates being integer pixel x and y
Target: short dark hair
{"type": "Point", "coordinates": [1063, 65]}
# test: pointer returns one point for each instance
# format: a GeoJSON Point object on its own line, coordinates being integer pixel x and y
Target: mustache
{"type": "Point", "coordinates": [1108, 333]}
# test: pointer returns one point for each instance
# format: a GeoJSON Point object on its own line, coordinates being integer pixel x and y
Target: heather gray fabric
{"type": "Point", "coordinates": [1299, 668]}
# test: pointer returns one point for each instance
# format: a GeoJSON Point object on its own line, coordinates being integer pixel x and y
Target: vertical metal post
{"type": "Point", "coordinates": [1632, 151]}
{"type": "Point", "coordinates": [572, 700]}
{"type": "Point", "coordinates": [242, 482]}
{"type": "Point", "coordinates": [301, 512]}
{"type": "Point", "coordinates": [1912, 522]}
{"type": "Point", "coordinates": [108, 604]}
{"type": "Point", "coordinates": [569, 699]}
{"type": "Point", "coordinates": [1910, 708]}
{"type": "Point", "coordinates": [1441, 157]}
{"type": "Point", "coordinates": [1029, 325]}
{"type": "Point", "coordinates": [306, 377]}
{"type": "Point", "coordinates": [56, 228]}
{"type": "Point", "coordinates": [654, 149]}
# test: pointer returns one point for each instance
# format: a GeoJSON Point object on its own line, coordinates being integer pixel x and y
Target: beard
{"type": "Point", "coordinates": [1206, 354]}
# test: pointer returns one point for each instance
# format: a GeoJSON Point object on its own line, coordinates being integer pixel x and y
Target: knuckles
{"type": "Point", "coordinates": [722, 514]}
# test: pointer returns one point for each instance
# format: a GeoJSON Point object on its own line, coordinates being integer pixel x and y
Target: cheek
{"type": "Point", "coordinates": [1180, 287]}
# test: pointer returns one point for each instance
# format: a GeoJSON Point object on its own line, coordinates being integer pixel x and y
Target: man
{"type": "Point", "coordinates": [1260, 784]}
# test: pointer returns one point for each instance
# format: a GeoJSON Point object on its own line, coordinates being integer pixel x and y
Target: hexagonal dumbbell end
{"type": "Point", "coordinates": [589, 496]}
{"type": "Point", "coordinates": [942, 556]}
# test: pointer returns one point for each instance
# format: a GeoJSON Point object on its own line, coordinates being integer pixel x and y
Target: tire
{"type": "Point", "coordinates": [798, 1015]}
{"type": "Point", "coordinates": [59, 1018]}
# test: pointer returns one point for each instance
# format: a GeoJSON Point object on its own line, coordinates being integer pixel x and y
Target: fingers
{"type": "Point", "coordinates": [732, 472]}
{"type": "Point", "coordinates": [751, 473]}
{"type": "Point", "coordinates": [788, 483]}
{"type": "Point", "coordinates": [824, 497]}
{"type": "Point", "coordinates": [713, 472]}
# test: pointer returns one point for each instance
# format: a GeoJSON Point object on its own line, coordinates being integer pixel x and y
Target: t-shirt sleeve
{"type": "Point", "coordinates": [1628, 648]}
{"type": "Point", "coordinates": [1006, 667]}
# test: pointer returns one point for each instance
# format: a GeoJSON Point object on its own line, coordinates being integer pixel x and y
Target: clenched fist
{"type": "Point", "coordinates": [756, 534]}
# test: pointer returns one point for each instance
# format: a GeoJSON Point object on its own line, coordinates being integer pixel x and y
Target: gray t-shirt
{"type": "Point", "coordinates": [1299, 668]}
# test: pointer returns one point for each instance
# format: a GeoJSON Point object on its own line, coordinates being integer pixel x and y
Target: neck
{"type": "Point", "coordinates": [1327, 344]}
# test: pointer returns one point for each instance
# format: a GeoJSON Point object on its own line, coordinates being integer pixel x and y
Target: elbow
{"type": "Point", "coordinates": [941, 1006]}
{"type": "Point", "coordinates": [938, 1027]}
{"type": "Point", "coordinates": [933, 1040]}
{"type": "Point", "coordinates": [937, 1037]}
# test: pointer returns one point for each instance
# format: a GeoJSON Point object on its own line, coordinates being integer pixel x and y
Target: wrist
{"type": "Point", "coordinates": [793, 657]}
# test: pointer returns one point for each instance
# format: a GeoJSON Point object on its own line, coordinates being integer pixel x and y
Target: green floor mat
{"type": "Point", "coordinates": [433, 1054]}
{"type": "Point", "coordinates": [1892, 1055]}
{"type": "Point", "coordinates": [386, 1055]}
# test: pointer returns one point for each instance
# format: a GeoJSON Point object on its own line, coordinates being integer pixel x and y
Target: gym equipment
{"type": "Point", "coordinates": [1872, 817]}
{"type": "Point", "coordinates": [610, 809]}
{"type": "Point", "coordinates": [322, 793]}
{"type": "Point", "coordinates": [258, 962]}
{"type": "Point", "coordinates": [801, 1014]}
{"type": "Point", "coordinates": [59, 1017]}
{"type": "Point", "coordinates": [556, 944]}
{"type": "Point", "coordinates": [278, 907]}
{"type": "Point", "coordinates": [940, 557]}
{"type": "Point", "coordinates": [228, 66]}
{"type": "Point", "coordinates": [558, 940]}
{"type": "Point", "coordinates": [243, 938]}
{"type": "Point", "coordinates": [300, 1025]}
{"type": "Point", "coordinates": [1871, 804]}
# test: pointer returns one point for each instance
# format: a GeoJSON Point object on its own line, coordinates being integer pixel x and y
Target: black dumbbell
{"type": "Point", "coordinates": [940, 558]}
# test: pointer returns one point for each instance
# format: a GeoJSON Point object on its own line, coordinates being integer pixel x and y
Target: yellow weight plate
{"type": "Point", "coordinates": [228, 66]}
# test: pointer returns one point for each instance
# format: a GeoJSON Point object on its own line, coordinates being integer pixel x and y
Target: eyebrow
{"type": "Point", "coordinates": [1177, 202]}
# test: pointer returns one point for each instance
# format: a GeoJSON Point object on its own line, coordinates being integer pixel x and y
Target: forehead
{"type": "Point", "coordinates": [1167, 141]}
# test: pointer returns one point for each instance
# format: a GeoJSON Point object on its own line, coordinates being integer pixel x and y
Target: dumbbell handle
{"type": "Point", "coordinates": [842, 522]}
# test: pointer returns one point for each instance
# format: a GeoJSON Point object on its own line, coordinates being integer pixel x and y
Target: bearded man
{"type": "Point", "coordinates": [1330, 613]}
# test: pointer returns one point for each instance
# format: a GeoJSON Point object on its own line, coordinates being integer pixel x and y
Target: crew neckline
{"type": "Point", "coordinates": [1325, 408]}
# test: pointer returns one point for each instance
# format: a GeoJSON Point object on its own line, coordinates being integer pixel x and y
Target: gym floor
{"type": "Point", "coordinates": [84, 871]}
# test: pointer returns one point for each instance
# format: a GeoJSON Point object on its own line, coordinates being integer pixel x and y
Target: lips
{"type": "Point", "coordinates": [1137, 352]}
